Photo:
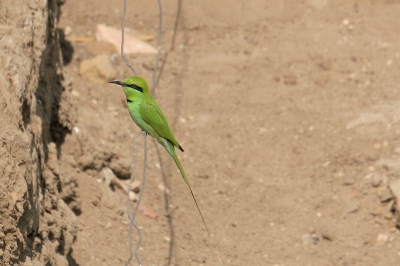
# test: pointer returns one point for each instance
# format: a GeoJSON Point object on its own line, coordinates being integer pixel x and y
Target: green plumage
{"type": "Point", "coordinates": [146, 113]}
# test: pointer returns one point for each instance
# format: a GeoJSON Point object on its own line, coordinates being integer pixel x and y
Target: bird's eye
{"type": "Point", "coordinates": [136, 87]}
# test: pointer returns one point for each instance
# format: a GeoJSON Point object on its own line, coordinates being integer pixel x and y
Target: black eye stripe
{"type": "Point", "coordinates": [135, 87]}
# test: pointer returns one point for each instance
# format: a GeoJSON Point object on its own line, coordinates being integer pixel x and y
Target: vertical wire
{"type": "Point", "coordinates": [140, 197]}
{"type": "Point", "coordinates": [132, 217]}
{"type": "Point", "coordinates": [128, 208]}
{"type": "Point", "coordinates": [123, 40]}
{"type": "Point", "coordinates": [159, 45]}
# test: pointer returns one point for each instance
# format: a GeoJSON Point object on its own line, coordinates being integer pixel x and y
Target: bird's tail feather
{"type": "Point", "coordinates": [178, 163]}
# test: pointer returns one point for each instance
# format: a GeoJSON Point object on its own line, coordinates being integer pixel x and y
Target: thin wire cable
{"type": "Point", "coordinates": [132, 217]}
{"type": "Point", "coordinates": [159, 46]}
{"type": "Point", "coordinates": [123, 40]}
{"type": "Point", "coordinates": [172, 48]}
{"type": "Point", "coordinates": [140, 196]}
{"type": "Point", "coordinates": [128, 209]}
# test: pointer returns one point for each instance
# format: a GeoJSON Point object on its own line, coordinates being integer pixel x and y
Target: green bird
{"type": "Point", "coordinates": [146, 113]}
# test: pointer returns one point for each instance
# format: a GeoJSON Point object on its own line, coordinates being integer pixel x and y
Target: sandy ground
{"type": "Point", "coordinates": [288, 112]}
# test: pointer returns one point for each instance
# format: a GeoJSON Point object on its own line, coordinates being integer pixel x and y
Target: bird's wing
{"type": "Point", "coordinates": [152, 115]}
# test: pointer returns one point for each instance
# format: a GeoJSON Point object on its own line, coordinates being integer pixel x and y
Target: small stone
{"type": "Point", "coordinates": [262, 131]}
{"type": "Point", "coordinates": [148, 211]}
{"type": "Point", "coordinates": [60, 260]}
{"type": "Point", "coordinates": [372, 157]}
{"type": "Point", "coordinates": [384, 194]}
{"type": "Point", "coordinates": [388, 215]}
{"type": "Point", "coordinates": [132, 45]}
{"type": "Point", "coordinates": [135, 187]}
{"type": "Point", "coordinates": [382, 238]}
{"type": "Point", "coordinates": [85, 162]}
{"type": "Point", "coordinates": [376, 179]}
{"type": "Point", "coordinates": [326, 164]}
{"type": "Point", "coordinates": [366, 119]}
{"type": "Point", "coordinates": [391, 165]}
{"type": "Point", "coordinates": [309, 239]}
{"type": "Point", "coordinates": [352, 206]}
{"type": "Point", "coordinates": [14, 199]}
{"type": "Point", "coordinates": [349, 182]}
{"type": "Point", "coordinates": [98, 69]}
{"type": "Point", "coordinates": [133, 196]}
{"type": "Point", "coordinates": [163, 188]}
{"type": "Point", "coordinates": [394, 209]}
{"type": "Point", "coordinates": [327, 235]}
{"type": "Point", "coordinates": [121, 167]}
{"type": "Point", "coordinates": [395, 190]}
{"type": "Point", "coordinates": [67, 30]}
{"type": "Point", "coordinates": [340, 174]}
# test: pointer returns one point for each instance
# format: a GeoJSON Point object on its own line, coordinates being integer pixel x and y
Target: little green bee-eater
{"type": "Point", "coordinates": [146, 113]}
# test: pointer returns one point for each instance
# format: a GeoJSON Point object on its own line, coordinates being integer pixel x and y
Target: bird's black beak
{"type": "Point", "coordinates": [117, 82]}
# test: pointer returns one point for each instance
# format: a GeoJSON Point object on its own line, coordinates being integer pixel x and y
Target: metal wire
{"type": "Point", "coordinates": [123, 40]}
{"type": "Point", "coordinates": [132, 217]}
{"type": "Point", "coordinates": [159, 46]}
{"type": "Point", "coordinates": [128, 208]}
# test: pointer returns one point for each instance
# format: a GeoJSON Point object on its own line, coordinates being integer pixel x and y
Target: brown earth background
{"type": "Point", "coordinates": [288, 111]}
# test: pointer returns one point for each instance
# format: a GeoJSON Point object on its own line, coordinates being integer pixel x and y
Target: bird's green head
{"type": "Point", "coordinates": [134, 87]}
